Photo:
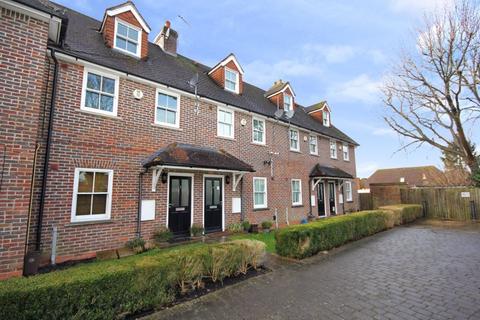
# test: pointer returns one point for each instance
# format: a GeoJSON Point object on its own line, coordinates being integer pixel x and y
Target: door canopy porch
{"type": "Point", "coordinates": [200, 158]}
{"type": "Point", "coordinates": [320, 173]}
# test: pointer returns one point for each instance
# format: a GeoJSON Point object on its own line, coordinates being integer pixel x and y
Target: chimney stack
{"type": "Point", "coordinates": [167, 39]}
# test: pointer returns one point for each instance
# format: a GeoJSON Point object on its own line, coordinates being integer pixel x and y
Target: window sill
{"type": "Point", "coordinates": [158, 125]}
{"type": "Point", "coordinates": [315, 154]}
{"type": "Point", "coordinates": [261, 209]}
{"type": "Point", "coordinates": [297, 205]}
{"type": "Point", "coordinates": [93, 113]}
{"type": "Point", "coordinates": [259, 144]}
{"type": "Point", "coordinates": [85, 223]}
{"type": "Point", "coordinates": [226, 138]}
{"type": "Point", "coordinates": [334, 158]}
{"type": "Point", "coordinates": [296, 151]}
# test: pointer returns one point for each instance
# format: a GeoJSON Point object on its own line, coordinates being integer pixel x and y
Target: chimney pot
{"type": "Point", "coordinates": [167, 23]}
{"type": "Point", "coordinates": [167, 39]}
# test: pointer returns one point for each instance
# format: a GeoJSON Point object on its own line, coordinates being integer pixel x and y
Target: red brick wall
{"type": "Point", "coordinates": [22, 92]}
{"type": "Point", "coordinates": [86, 140]}
{"type": "Point", "coordinates": [109, 31]}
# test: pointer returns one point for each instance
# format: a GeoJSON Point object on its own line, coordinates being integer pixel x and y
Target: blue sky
{"type": "Point", "coordinates": [329, 50]}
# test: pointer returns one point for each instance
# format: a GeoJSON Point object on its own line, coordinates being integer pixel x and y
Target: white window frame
{"type": "Point", "coordinates": [346, 152]}
{"type": "Point", "coordinates": [177, 115]}
{"type": "Point", "coordinates": [139, 40]}
{"type": "Point", "coordinates": [290, 106]}
{"type": "Point", "coordinates": [237, 80]}
{"type": "Point", "coordinates": [310, 144]}
{"type": "Point", "coordinates": [265, 205]}
{"type": "Point", "coordinates": [108, 207]}
{"type": "Point", "coordinates": [264, 131]}
{"type": "Point", "coordinates": [335, 155]}
{"type": "Point", "coordinates": [348, 191]}
{"type": "Point", "coordinates": [290, 140]}
{"type": "Point", "coordinates": [300, 190]}
{"type": "Point", "coordinates": [326, 118]}
{"type": "Point", "coordinates": [84, 91]}
{"type": "Point", "coordinates": [219, 109]}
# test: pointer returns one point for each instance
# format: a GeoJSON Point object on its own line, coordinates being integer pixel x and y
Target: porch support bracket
{"type": "Point", "coordinates": [315, 183]}
{"type": "Point", "coordinates": [157, 172]}
{"type": "Point", "coordinates": [236, 179]}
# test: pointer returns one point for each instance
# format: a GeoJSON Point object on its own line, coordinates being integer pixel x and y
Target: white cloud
{"type": "Point", "coordinates": [338, 53]}
{"type": "Point", "coordinates": [418, 7]}
{"type": "Point", "coordinates": [361, 88]}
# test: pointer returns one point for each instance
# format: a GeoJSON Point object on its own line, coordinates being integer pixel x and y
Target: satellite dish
{"type": "Point", "coordinates": [278, 113]}
{"type": "Point", "coordinates": [194, 81]}
{"type": "Point", "coordinates": [289, 114]}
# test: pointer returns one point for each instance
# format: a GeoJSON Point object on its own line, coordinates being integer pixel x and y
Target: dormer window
{"type": "Point", "coordinates": [231, 80]}
{"type": "Point", "coordinates": [127, 38]}
{"type": "Point", "coordinates": [287, 102]}
{"type": "Point", "coordinates": [326, 118]}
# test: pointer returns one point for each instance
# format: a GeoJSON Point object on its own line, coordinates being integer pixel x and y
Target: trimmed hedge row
{"type": "Point", "coordinates": [305, 240]}
{"type": "Point", "coordinates": [112, 289]}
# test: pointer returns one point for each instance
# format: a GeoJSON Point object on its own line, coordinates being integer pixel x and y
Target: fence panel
{"type": "Point", "coordinates": [366, 201]}
{"type": "Point", "coordinates": [445, 203]}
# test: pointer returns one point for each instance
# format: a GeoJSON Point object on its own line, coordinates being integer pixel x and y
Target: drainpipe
{"type": "Point", "coordinates": [242, 212]}
{"type": "Point", "coordinates": [139, 213]}
{"type": "Point", "coordinates": [47, 153]}
{"type": "Point", "coordinates": [310, 214]}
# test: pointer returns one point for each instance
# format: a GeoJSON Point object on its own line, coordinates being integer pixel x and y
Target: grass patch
{"type": "Point", "coordinates": [267, 238]}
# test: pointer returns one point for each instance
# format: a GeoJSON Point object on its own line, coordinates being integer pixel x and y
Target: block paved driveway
{"type": "Point", "coordinates": [414, 272]}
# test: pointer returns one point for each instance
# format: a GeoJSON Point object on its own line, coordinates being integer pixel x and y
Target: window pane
{"type": "Point", "coordinates": [161, 115]}
{"type": "Point", "coordinates": [99, 204]}
{"type": "Point", "coordinates": [208, 192]}
{"type": "Point", "coordinates": [83, 204]}
{"type": "Point", "coordinates": [131, 47]}
{"type": "Point", "coordinates": [133, 34]}
{"type": "Point", "coordinates": [259, 185]}
{"type": "Point", "coordinates": [108, 85]}
{"type": "Point", "coordinates": [172, 102]}
{"type": "Point", "coordinates": [101, 182]}
{"type": "Point", "coordinates": [91, 99]}
{"type": "Point", "coordinates": [259, 198]}
{"type": "Point", "coordinates": [122, 29]}
{"type": "Point", "coordinates": [228, 117]}
{"type": "Point", "coordinates": [162, 99]}
{"type": "Point", "coordinates": [93, 81]}
{"type": "Point", "coordinates": [106, 103]}
{"type": "Point", "coordinates": [121, 43]}
{"type": "Point", "coordinates": [171, 117]}
{"type": "Point", "coordinates": [175, 200]}
{"type": "Point", "coordinates": [185, 193]}
{"type": "Point", "coordinates": [85, 181]}
{"type": "Point", "coordinates": [230, 85]}
{"type": "Point", "coordinates": [216, 192]}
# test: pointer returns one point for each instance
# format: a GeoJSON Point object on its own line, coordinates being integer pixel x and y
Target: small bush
{"type": "Point", "coordinates": [137, 244]}
{"type": "Point", "coordinates": [405, 213]}
{"type": "Point", "coordinates": [266, 225]}
{"type": "Point", "coordinates": [246, 225]}
{"type": "Point", "coordinates": [109, 289]}
{"type": "Point", "coordinates": [196, 230]}
{"type": "Point", "coordinates": [235, 227]}
{"type": "Point", "coordinates": [162, 234]}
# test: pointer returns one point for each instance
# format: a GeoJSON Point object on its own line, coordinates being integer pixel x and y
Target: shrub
{"type": "Point", "coordinates": [266, 225]}
{"type": "Point", "coordinates": [137, 244]}
{"type": "Point", "coordinates": [235, 227]}
{"type": "Point", "coordinates": [110, 289]}
{"type": "Point", "coordinates": [196, 230]}
{"type": "Point", "coordinates": [162, 234]}
{"type": "Point", "coordinates": [405, 213]}
{"type": "Point", "coordinates": [246, 225]}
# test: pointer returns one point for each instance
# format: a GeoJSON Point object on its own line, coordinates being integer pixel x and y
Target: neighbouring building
{"type": "Point", "coordinates": [413, 177]}
{"type": "Point", "coordinates": [106, 136]}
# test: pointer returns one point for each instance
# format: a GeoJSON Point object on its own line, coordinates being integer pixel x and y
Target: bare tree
{"type": "Point", "coordinates": [432, 96]}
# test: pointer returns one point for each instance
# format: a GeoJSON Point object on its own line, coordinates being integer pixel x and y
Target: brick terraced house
{"type": "Point", "coordinates": [106, 136]}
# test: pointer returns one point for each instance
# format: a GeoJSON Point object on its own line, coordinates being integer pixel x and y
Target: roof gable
{"type": "Point", "coordinates": [126, 7]}
{"type": "Point", "coordinates": [279, 88]}
{"type": "Point", "coordinates": [230, 58]}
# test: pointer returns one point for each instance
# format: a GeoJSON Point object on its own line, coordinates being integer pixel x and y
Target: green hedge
{"type": "Point", "coordinates": [404, 213]}
{"type": "Point", "coordinates": [305, 240]}
{"type": "Point", "coordinates": [110, 289]}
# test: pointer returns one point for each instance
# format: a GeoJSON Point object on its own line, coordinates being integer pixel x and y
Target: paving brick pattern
{"type": "Point", "coordinates": [417, 272]}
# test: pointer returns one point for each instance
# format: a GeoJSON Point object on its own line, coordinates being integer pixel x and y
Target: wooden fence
{"type": "Point", "coordinates": [446, 203]}
{"type": "Point", "coordinates": [366, 201]}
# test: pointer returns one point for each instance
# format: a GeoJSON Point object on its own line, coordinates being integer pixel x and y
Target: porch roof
{"type": "Point", "coordinates": [191, 156]}
{"type": "Point", "coordinates": [319, 171]}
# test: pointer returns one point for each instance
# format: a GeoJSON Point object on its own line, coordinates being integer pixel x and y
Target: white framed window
{"type": "Point", "coordinates": [225, 120]}
{"type": "Point", "coordinates": [346, 152]}
{"type": "Point", "coordinates": [259, 193]}
{"type": "Point", "coordinates": [348, 191]}
{"type": "Point", "coordinates": [293, 137]}
{"type": "Point", "coordinates": [258, 131]}
{"type": "Point", "coordinates": [99, 92]}
{"type": "Point", "coordinates": [92, 194]}
{"type": "Point", "coordinates": [232, 80]}
{"type": "Point", "coordinates": [128, 38]}
{"type": "Point", "coordinates": [287, 102]}
{"type": "Point", "coordinates": [313, 145]}
{"type": "Point", "coordinates": [333, 149]}
{"type": "Point", "coordinates": [167, 109]}
{"type": "Point", "coordinates": [296, 192]}
{"type": "Point", "coordinates": [326, 118]}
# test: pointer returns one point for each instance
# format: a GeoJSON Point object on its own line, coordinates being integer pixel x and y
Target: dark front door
{"type": "Point", "coordinates": [213, 204]}
{"type": "Point", "coordinates": [321, 199]}
{"type": "Point", "coordinates": [179, 205]}
{"type": "Point", "coordinates": [331, 198]}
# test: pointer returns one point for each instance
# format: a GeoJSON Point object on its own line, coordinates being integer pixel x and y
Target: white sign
{"type": "Point", "coordinates": [148, 210]}
{"type": "Point", "coordinates": [312, 201]}
{"type": "Point", "coordinates": [236, 205]}
{"type": "Point", "coordinates": [465, 194]}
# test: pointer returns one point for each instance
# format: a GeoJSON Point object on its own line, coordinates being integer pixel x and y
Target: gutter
{"type": "Point", "coordinates": [47, 153]}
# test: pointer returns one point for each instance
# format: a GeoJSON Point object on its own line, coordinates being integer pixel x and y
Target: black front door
{"type": "Point", "coordinates": [321, 199]}
{"type": "Point", "coordinates": [331, 198]}
{"type": "Point", "coordinates": [213, 204]}
{"type": "Point", "coordinates": [179, 205]}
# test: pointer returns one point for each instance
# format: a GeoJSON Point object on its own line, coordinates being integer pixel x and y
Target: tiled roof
{"type": "Point", "coordinates": [82, 40]}
{"type": "Point", "coordinates": [413, 176]}
{"type": "Point", "coordinates": [331, 172]}
{"type": "Point", "coordinates": [44, 6]}
{"type": "Point", "coordinates": [316, 106]}
{"type": "Point", "coordinates": [187, 155]}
